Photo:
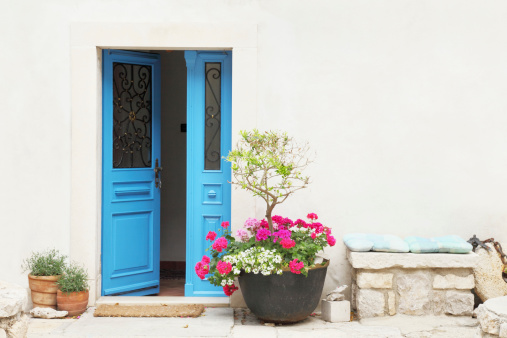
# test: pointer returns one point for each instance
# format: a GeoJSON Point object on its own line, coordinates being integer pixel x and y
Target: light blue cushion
{"type": "Point", "coordinates": [453, 244]}
{"type": "Point", "coordinates": [422, 245]}
{"type": "Point", "coordinates": [374, 242]}
{"type": "Point", "coordinates": [445, 244]}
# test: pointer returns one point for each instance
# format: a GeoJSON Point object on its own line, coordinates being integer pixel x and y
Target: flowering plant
{"type": "Point", "coordinates": [292, 246]}
{"type": "Point", "coordinates": [269, 165]}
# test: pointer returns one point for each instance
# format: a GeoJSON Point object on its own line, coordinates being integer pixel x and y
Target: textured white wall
{"type": "Point", "coordinates": [404, 102]}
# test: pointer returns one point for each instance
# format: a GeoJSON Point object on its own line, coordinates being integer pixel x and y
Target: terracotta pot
{"type": "Point", "coordinates": [74, 303]}
{"type": "Point", "coordinates": [286, 298]}
{"type": "Point", "coordinates": [43, 290]}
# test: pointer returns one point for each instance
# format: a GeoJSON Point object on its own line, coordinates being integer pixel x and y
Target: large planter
{"type": "Point", "coordinates": [286, 298]}
{"type": "Point", "coordinates": [74, 303]}
{"type": "Point", "coordinates": [43, 290]}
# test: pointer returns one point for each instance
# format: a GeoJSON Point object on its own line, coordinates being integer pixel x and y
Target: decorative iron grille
{"type": "Point", "coordinates": [132, 115]}
{"type": "Point", "coordinates": [212, 133]}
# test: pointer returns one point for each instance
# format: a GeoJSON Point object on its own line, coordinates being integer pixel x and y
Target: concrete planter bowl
{"type": "Point", "coordinates": [286, 298]}
{"type": "Point", "coordinates": [74, 303]}
{"type": "Point", "coordinates": [43, 290]}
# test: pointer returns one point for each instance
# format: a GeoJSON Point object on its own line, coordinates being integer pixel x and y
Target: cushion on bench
{"type": "Point", "coordinates": [373, 242]}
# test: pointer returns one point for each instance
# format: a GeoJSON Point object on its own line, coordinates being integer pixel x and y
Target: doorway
{"type": "Point", "coordinates": [163, 188]}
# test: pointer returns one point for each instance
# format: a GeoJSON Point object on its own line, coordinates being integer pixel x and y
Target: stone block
{"type": "Point", "coordinates": [3, 334]}
{"type": "Point", "coordinates": [384, 260]}
{"type": "Point", "coordinates": [459, 303]}
{"type": "Point", "coordinates": [368, 280]}
{"type": "Point", "coordinates": [335, 311]}
{"type": "Point", "coordinates": [13, 299]}
{"type": "Point", "coordinates": [414, 291]}
{"type": "Point", "coordinates": [370, 303]}
{"type": "Point", "coordinates": [353, 295]}
{"type": "Point", "coordinates": [439, 302]}
{"type": "Point", "coordinates": [492, 314]}
{"type": "Point", "coordinates": [503, 330]}
{"type": "Point", "coordinates": [391, 303]}
{"type": "Point", "coordinates": [452, 281]}
{"type": "Point", "coordinates": [19, 328]}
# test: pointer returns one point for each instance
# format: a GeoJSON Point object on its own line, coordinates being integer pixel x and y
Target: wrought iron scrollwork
{"type": "Point", "coordinates": [212, 116]}
{"type": "Point", "coordinates": [131, 115]}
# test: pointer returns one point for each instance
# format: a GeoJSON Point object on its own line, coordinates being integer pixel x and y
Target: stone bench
{"type": "Point", "coordinates": [412, 284]}
{"type": "Point", "coordinates": [13, 300]}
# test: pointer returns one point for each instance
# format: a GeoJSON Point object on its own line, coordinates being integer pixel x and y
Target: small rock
{"type": "Point", "coordinates": [503, 330]}
{"type": "Point", "coordinates": [269, 324]}
{"type": "Point", "coordinates": [490, 322]}
{"type": "Point", "coordinates": [47, 313]}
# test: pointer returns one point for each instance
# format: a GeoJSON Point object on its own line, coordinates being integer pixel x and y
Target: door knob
{"type": "Point", "coordinates": [158, 175]}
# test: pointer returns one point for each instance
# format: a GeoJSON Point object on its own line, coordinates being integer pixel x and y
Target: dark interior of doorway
{"type": "Point", "coordinates": [174, 159]}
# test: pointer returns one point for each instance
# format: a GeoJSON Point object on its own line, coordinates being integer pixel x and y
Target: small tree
{"type": "Point", "coordinates": [269, 165]}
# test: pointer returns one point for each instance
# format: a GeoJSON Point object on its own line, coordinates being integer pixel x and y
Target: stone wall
{"type": "Point", "coordinates": [13, 322]}
{"type": "Point", "coordinates": [412, 284]}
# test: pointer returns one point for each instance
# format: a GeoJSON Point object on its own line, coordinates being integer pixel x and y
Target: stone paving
{"type": "Point", "coordinates": [228, 322]}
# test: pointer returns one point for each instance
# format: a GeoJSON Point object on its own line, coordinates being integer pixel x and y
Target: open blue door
{"type": "Point", "coordinates": [130, 185]}
{"type": "Point", "coordinates": [209, 83]}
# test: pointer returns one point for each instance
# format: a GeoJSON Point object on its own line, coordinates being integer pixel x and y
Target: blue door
{"type": "Point", "coordinates": [130, 185]}
{"type": "Point", "coordinates": [208, 140]}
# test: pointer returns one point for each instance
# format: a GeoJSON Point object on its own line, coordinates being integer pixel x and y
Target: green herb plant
{"type": "Point", "coordinates": [74, 279]}
{"type": "Point", "coordinates": [45, 263]}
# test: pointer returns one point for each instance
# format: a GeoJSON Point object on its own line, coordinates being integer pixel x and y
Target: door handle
{"type": "Point", "coordinates": [158, 175]}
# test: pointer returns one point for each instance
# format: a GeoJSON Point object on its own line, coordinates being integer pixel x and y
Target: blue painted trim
{"type": "Point", "coordinates": [197, 209]}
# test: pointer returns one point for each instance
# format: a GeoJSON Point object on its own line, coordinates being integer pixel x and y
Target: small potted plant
{"type": "Point", "coordinates": [274, 258]}
{"type": "Point", "coordinates": [73, 290]}
{"type": "Point", "coordinates": [45, 268]}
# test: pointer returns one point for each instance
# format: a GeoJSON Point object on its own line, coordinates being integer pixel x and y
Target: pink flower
{"type": "Point", "coordinates": [312, 216]}
{"type": "Point", "coordinates": [283, 233]}
{"type": "Point", "coordinates": [205, 259]}
{"type": "Point", "coordinates": [224, 267]}
{"type": "Point", "coordinates": [301, 223]}
{"type": "Point", "coordinates": [277, 219]}
{"type": "Point", "coordinates": [264, 224]}
{"type": "Point", "coordinates": [262, 234]}
{"type": "Point", "coordinates": [229, 289]}
{"type": "Point", "coordinates": [242, 235]}
{"type": "Point", "coordinates": [201, 270]}
{"type": "Point", "coordinates": [314, 235]}
{"type": "Point", "coordinates": [331, 240]}
{"type": "Point", "coordinates": [225, 224]}
{"type": "Point", "coordinates": [287, 243]}
{"type": "Point", "coordinates": [211, 236]}
{"type": "Point", "coordinates": [296, 267]}
{"type": "Point", "coordinates": [219, 244]}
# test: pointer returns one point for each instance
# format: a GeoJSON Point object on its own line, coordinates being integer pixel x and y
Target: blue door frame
{"type": "Point", "coordinates": [130, 199]}
{"type": "Point", "coordinates": [208, 190]}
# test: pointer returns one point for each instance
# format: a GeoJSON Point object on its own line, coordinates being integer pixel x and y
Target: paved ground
{"type": "Point", "coordinates": [227, 322]}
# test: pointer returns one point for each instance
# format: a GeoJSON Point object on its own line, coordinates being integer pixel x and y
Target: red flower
{"type": "Point", "coordinates": [312, 216]}
{"type": "Point", "coordinates": [229, 289]}
{"type": "Point", "coordinates": [220, 244]}
{"type": "Point", "coordinates": [224, 267]}
{"type": "Point", "coordinates": [287, 243]}
{"type": "Point", "coordinates": [225, 224]}
{"type": "Point", "coordinates": [331, 240]}
{"type": "Point", "coordinates": [296, 267]}
{"type": "Point", "coordinates": [314, 235]}
{"type": "Point", "coordinates": [211, 236]}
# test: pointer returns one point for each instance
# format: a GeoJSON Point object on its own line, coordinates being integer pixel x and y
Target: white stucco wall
{"type": "Point", "coordinates": [403, 101]}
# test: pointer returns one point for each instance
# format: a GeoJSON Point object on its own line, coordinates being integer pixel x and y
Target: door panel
{"type": "Point", "coordinates": [130, 200]}
{"type": "Point", "coordinates": [209, 77]}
